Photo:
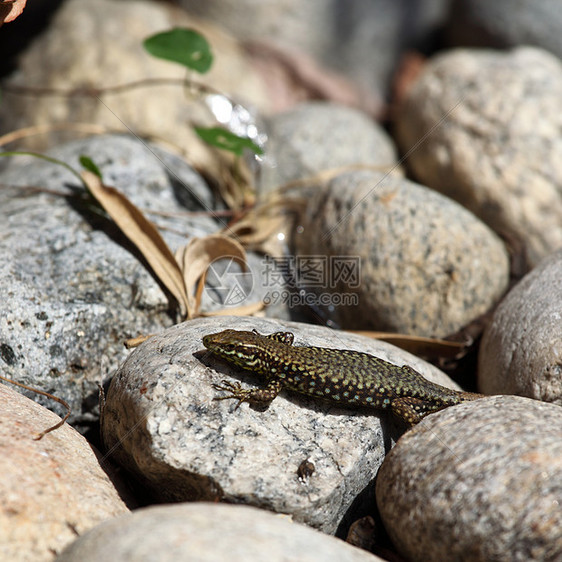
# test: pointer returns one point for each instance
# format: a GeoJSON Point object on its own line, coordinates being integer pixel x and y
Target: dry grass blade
{"type": "Point", "coordinates": [259, 228]}
{"type": "Point", "coordinates": [143, 234]}
{"type": "Point", "coordinates": [52, 397]}
{"type": "Point", "coordinates": [195, 258]}
{"type": "Point", "coordinates": [418, 345]}
{"type": "Point", "coordinates": [135, 342]}
{"type": "Point", "coordinates": [82, 128]}
{"type": "Point", "coordinates": [228, 173]}
{"type": "Point", "coordinates": [327, 175]}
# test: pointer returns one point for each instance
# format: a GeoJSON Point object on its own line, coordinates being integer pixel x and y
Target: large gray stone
{"type": "Point", "coordinates": [478, 481]}
{"type": "Point", "coordinates": [317, 137]}
{"type": "Point", "coordinates": [73, 288]}
{"type": "Point", "coordinates": [161, 423]}
{"type": "Point", "coordinates": [424, 264]}
{"type": "Point", "coordinates": [485, 126]}
{"type": "Point", "coordinates": [521, 349]}
{"type": "Point", "coordinates": [203, 532]}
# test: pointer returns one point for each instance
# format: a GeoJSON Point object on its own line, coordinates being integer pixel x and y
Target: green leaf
{"type": "Point", "coordinates": [184, 46]}
{"type": "Point", "coordinates": [88, 164]}
{"type": "Point", "coordinates": [221, 138]}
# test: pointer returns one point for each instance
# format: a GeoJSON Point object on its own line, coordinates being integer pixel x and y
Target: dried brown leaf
{"type": "Point", "coordinates": [196, 257]}
{"type": "Point", "coordinates": [143, 234]}
{"type": "Point", "coordinates": [259, 228]}
{"type": "Point", "coordinates": [135, 342]}
{"type": "Point", "coordinates": [10, 10]}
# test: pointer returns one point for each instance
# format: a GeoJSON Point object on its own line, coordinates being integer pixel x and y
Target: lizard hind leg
{"type": "Point", "coordinates": [410, 409]}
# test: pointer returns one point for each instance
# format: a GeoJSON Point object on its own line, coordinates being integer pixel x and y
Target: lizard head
{"type": "Point", "coordinates": [248, 350]}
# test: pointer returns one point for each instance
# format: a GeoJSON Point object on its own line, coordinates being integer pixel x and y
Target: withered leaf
{"type": "Point", "coordinates": [143, 234]}
{"type": "Point", "coordinates": [259, 227]}
{"type": "Point", "coordinates": [195, 258]}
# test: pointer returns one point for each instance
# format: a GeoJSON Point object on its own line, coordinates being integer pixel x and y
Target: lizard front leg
{"type": "Point", "coordinates": [255, 396]}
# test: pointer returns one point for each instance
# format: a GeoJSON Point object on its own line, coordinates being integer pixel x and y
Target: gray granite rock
{"type": "Point", "coordinates": [502, 23]}
{"type": "Point", "coordinates": [51, 490]}
{"type": "Point", "coordinates": [162, 424]}
{"type": "Point", "coordinates": [204, 532]}
{"type": "Point", "coordinates": [495, 143]}
{"type": "Point", "coordinates": [426, 265]}
{"type": "Point", "coordinates": [479, 481]}
{"type": "Point", "coordinates": [73, 288]}
{"type": "Point", "coordinates": [315, 137]}
{"type": "Point", "coordinates": [521, 348]}
{"type": "Point", "coordinates": [85, 46]}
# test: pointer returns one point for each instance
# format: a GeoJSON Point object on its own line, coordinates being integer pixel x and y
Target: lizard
{"type": "Point", "coordinates": [348, 378]}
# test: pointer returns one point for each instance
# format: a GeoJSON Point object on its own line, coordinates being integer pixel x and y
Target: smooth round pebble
{"type": "Point", "coordinates": [52, 489]}
{"type": "Point", "coordinates": [427, 266]}
{"type": "Point", "coordinates": [317, 136]}
{"type": "Point", "coordinates": [478, 481]}
{"type": "Point", "coordinates": [486, 130]}
{"type": "Point", "coordinates": [162, 423]}
{"type": "Point", "coordinates": [521, 351]}
{"type": "Point", "coordinates": [205, 532]}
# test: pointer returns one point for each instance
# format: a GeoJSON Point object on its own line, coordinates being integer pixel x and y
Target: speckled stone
{"type": "Point", "coordinates": [204, 532]}
{"type": "Point", "coordinates": [161, 423]}
{"type": "Point", "coordinates": [521, 351]}
{"type": "Point", "coordinates": [428, 266]}
{"type": "Point", "coordinates": [51, 490]}
{"type": "Point", "coordinates": [317, 136]}
{"type": "Point", "coordinates": [73, 288]}
{"type": "Point", "coordinates": [479, 481]}
{"type": "Point", "coordinates": [495, 144]}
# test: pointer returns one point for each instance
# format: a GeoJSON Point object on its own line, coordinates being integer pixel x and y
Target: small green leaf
{"type": "Point", "coordinates": [221, 138]}
{"type": "Point", "coordinates": [88, 164]}
{"type": "Point", "coordinates": [47, 159]}
{"type": "Point", "coordinates": [184, 46]}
